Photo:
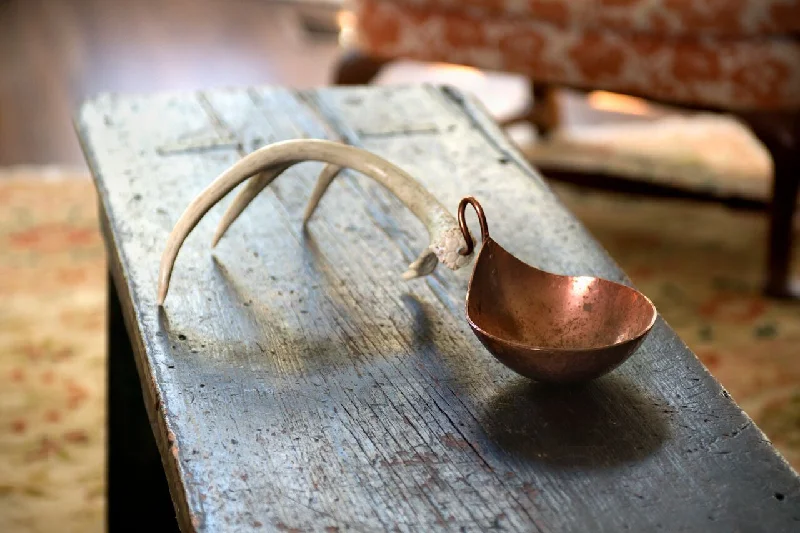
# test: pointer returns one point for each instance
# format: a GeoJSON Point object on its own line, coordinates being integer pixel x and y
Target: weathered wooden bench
{"type": "Point", "coordinates": [294, 382]}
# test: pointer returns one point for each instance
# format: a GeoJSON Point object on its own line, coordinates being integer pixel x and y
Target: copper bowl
{"type": "Point", "coordinates": [550, 327]}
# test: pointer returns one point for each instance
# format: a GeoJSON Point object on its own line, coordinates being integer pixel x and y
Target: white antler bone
{"type": "Point", "coordinates": [259, 183]}
{"type": "Point", "coordinates": [446, 239]}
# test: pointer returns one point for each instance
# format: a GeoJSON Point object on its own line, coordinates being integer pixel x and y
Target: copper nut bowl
{"type": "Point", "coordinates": [550, 327]}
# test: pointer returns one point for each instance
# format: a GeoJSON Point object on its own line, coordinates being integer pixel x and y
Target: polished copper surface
{"type": "Point", "coordinates": [550, 327]}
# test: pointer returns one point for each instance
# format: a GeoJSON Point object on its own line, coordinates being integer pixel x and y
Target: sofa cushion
{"type": "Point", "coordinates": [737, 74]}
{"type": "Point", "coordinates": [663, 17]}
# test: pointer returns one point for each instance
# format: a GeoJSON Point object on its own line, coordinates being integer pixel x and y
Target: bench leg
{"type": "Point", "coordinates": [138, 495]}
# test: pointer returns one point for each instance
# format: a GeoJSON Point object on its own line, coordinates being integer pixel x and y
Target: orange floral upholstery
{"type": "Point", "coordinates": [732, 73]}
{"type": "Point", "coordinates": [720, 17]}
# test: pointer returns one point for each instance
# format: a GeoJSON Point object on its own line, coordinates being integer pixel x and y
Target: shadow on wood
{"type": "Point", "coordinates": [324, 351]}
{"type": "Point", "coordinates": [420, 313]}
{"type": "Point", "coordinates": [569, 426]}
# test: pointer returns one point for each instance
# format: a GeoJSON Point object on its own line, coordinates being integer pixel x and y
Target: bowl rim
{"type": "Point", "coordinates": [529, 347]}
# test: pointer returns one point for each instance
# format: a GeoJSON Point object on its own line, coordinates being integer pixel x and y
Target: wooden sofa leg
{"type": "Point", "coordinates": [545, 114]}
{"type": "Point", "coordinates": [542, 112]}
{"type": "Point", "coordinates": [780, 134]}
{"type": "Point", "coordinates": [355, 68]}
{"type": "Point", "coordinates": [781, 223]}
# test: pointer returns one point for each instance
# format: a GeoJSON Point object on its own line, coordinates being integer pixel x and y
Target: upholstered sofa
{"type": "Point", "coordinates": [734, 56]}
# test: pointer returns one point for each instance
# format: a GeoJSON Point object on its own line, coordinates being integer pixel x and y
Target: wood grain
{"type": "Point", "coordinates": [295, 382]}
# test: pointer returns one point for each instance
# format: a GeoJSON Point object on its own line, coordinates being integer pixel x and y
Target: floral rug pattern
{"type": "Point", "coordinates": [52, 355]}
{"type": "Point", "coordinates": [701, 264]}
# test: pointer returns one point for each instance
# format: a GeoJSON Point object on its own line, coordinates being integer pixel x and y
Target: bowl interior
{"type": "Point", "coordinates": [514, 302]}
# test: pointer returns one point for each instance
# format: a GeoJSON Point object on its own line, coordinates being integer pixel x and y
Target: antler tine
{"type": "Point", "coordinates": [259, 183]}
{"type": "Point", "coordinates": [443, 229]}
{"type": "Point", "coordinates": [326, 177]}
{"type": "Point", "coordinates": [243, 199]}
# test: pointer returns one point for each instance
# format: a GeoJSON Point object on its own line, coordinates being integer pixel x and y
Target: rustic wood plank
{"type": "Point", "coordinates": [294, 381]}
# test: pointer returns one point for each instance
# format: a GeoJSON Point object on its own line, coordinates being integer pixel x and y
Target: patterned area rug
{"type": "Point", "coordinates": [52, 354]}
{"type": "Point", "coordinates": [701, 265]}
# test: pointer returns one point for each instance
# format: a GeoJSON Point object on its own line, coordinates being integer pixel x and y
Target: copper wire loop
{"type": "Point", "coordinates": [462, 223]}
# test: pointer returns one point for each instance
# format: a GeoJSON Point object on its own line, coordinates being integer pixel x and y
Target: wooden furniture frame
{"type": "Point", "coordinates": [779, 133]}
